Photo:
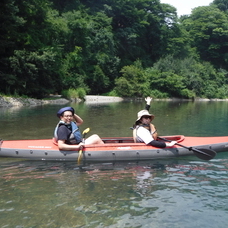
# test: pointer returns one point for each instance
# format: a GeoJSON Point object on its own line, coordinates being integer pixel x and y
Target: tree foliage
{"type": "Point", "coordinates": [132, 48]}
{"type": "Point", "coordinates": [208, 28]}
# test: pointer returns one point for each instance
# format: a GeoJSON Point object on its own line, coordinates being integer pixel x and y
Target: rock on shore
{"type": "Point", "coordinates": [11, 101]}
{"type": "Point", "coordinates": [101, 99]}
{"type": "Point", "coordinates": [89, 99]}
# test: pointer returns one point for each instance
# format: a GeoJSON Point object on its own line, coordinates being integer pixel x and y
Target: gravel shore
{"type": "Point", "coordinates": [89, 99]}
{"type": "Point", "coordinates": [101, 99]}
{"type": "Point", "coordinates": [11, 101]}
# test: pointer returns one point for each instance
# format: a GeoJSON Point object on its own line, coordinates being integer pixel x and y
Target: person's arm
{"type": "Point", "coordinates": [63, 146]}
{"type": "Point", "coordinates": [157, 144]}
{"type": "Point", "coordinates": [148, 100]}
{"type": "Point", "coordinates": [161, 144]}
{"type": "Point", "coordinates": [154, 132]}
{"type": "Point", "coordinates": [78, 119]}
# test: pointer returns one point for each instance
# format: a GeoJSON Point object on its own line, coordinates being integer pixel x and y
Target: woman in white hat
{"type": "Point", "coordinates": [145, 131]}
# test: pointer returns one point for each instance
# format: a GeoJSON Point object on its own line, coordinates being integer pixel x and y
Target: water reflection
{"type": "Point", "coordinates": [115, 119]}
{"type": "Point", "coordinates": [169, 193]}
{"type": "Point", "coordinates": [113, 195]}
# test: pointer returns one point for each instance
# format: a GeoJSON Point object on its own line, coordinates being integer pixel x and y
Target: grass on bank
{"type": "Point", "coordinates": [74, 94]}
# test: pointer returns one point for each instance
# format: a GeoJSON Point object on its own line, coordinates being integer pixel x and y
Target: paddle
{"type": "Point", "coordinates": [205, 154]}
{"type": "Point", "coordinates": [83, 140]}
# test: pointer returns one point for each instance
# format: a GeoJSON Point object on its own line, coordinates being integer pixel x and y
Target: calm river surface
{"type": "Point", "coordinates": [178, 193]}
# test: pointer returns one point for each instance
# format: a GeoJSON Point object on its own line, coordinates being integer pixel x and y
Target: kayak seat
{"type": "Point", "coordinates": [118, 140]}
{"type": "Point", "coordinates": [178, 138]}
{"type": "Point", "coordinates": [108, 140]}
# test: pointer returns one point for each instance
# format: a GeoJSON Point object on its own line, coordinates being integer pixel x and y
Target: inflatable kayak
{"type": "Point", "coordinates": [115, 149]}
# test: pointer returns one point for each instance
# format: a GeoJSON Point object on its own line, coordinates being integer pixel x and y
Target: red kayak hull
{"type": "Point", "coordinates": [114, 149]}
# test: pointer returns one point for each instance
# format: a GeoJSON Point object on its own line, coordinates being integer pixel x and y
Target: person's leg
{"type": "Point", "coordinates": [93, 139]}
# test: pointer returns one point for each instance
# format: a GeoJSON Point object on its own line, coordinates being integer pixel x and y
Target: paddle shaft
{"type": "Point", "coordinates": [205, 154]}
{"type": "Point", "coordinates": [83, 140]}
{"type": "Point", "coordinates": [191, 148]}
{"type": "Point", "coordinates": [80, 151]}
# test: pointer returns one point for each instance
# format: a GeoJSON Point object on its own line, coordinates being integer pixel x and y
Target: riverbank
{"type": "Point", "coordinates": [101, 99]}
{"type": "Point", "coordinates": [89, 99]}
{"type": "Point", "coordinates": [13, 101]}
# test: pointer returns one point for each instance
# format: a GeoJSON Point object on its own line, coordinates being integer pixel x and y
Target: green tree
{"type": "Point", "coordinates": [208, 29]}
{"type": "Point", "coordinates": [98, 46]}
{"type": "Point", "coordinates": [167, 82]}
{"type": "Point", "coordinates": [221, 4]}
{"type": "Point", "coordinates": [30, 57]}
{"type": "Point", "coordinates": [35, 71]}
{"type": "Point", "coordinates": [92, 35]}
{"type": "Point", "coordinates": [142, 30]}
{"type": "Point", "coordinates": [195, 79]}
{"type": "Point", "coordinates": [133, 82]}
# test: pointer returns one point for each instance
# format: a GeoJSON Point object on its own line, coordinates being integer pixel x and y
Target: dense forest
{"type": "Point", "coordinates": [128, 48]}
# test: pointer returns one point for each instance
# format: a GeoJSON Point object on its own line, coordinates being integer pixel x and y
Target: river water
{"type": "Point", "coordinates": [180, 193]}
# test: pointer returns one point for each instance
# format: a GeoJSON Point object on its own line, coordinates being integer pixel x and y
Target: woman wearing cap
{"type": "Point", "coordinates": [145, 131]}
{"type": "Point", "coordinates": [67, 133]}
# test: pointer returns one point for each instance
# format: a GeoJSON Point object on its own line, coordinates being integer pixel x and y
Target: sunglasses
{"type": "Point", "coordinates": [68, 116]}
{"type": "Point", "coordinates": [146, 117]}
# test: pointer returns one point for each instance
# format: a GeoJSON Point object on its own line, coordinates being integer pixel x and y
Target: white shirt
{"type": "Point", "coordinates": [142, 134]}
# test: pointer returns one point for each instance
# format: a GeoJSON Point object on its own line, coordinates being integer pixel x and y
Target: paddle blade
{"type": "Point", "coordinates": [79, 156]}
{"type": "Point", "coordinates": [205, 154]}
{"type": "Point", "coordinates": [86, 131]}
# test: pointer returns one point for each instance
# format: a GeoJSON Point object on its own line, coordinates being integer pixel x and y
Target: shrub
{"type": "Point", "coordinates": [74, 93]}
{"type": "Point", "coordinates": [112, 93]}
{"type": "Point", "coordinates": [81, 93]}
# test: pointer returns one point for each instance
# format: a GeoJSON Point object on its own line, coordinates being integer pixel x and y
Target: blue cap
{"type": "Point", "coordinates": [62, 110]}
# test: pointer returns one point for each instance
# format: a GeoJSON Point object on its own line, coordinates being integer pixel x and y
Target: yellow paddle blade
{"type": "Point", "coordinates": [79, 156]}
{"type": "Point", "coordinates": [83, 140]}
{"type": "Point", "coordinates": [86, 131]}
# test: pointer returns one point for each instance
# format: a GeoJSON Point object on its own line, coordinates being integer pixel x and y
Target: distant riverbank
{"type": "Point", "coordinates": [13, 101]}
{"type": "Point", "coordinates": [19, 101]}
